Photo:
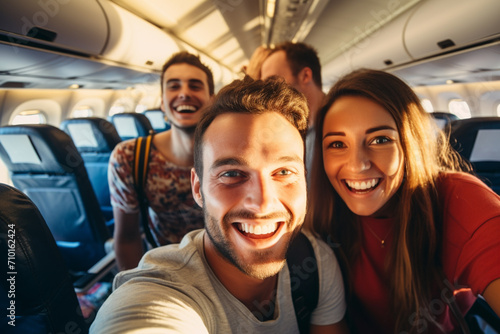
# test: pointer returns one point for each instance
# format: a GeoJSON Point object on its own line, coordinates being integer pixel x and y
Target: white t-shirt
{"type": "Point", "coordinates": [174, 290]}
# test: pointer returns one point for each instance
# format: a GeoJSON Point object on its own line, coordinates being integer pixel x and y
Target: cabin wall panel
{"type": "Point", "coordinates": [99, 100]}
{"type": "Point", "coordinates": [50, 102]}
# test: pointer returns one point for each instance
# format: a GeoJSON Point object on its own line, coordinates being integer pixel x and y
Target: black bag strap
{"type": "Point", "coordinates": [469, 324]}
{"type": "Point", "coordinates": [304, 280]}
{"type": "Point", "coordinates": [485, 313]}
{"type": "Point", "coordinates": [140, 172]}
{"type": "Point", "coordinates": [480, 310]}
{"type": "Point", "coordinates": [457, 314]}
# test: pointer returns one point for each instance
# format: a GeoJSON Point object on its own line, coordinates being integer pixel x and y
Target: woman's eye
{"type": "Point", "coordinates": [336, 144]}
{"type": "Point", "coordinates": [381, 140]}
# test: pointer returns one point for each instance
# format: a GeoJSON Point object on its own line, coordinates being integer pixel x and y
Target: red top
{"type": "Point", "coordinates": [471, 254]}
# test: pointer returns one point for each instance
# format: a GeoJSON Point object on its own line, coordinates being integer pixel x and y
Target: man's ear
{"type": "Point", "coordinates": [305, 75]}
{"type": "Point", "coordinates": [162, 106]}
{"type": "Point", "coordinates": [196, 188]}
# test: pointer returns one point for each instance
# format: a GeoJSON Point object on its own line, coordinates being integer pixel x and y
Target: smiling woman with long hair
{"type": "Point", "coordinates": [408, 222]}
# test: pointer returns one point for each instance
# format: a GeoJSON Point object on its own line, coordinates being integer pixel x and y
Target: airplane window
{"type": "Point", "coordinates": [459, 108]}
{"type": "Point", "coordinates": [427, 104]}
{"type": "Point", "coordinates": [29, 117]}
{"type": "Point", "coordinates": [82, 111]}
{"type": "Point", "coordinates": [118, 109]}
{"type": "Point", "coordinates": [141, 108]}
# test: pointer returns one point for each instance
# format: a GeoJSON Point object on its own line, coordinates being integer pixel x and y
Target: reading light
{"type": "Point", "coordinates": [271, 6]}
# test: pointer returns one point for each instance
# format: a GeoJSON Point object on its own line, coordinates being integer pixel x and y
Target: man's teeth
{"type": "Point", "coordinates": [363, 185]}
{"type": "Point", "coordinates": [185, 108]}
{"type": "Point", "coordinates": [258, 229]}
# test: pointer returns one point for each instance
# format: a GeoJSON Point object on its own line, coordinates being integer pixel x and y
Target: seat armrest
{"type": "Point", "coordinates": [109, 245]}
{"type": "Point", "coordinates": [96, 272]}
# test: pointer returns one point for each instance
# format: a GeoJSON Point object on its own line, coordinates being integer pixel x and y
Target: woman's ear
{"type": "Point", "coordinates": [196, 188]}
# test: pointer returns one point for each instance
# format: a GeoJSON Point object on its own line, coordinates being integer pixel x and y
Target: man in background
{"type": "Point", "coordinates": [299, 65]}
{"type": "Point", "coordinates": [187, 85]}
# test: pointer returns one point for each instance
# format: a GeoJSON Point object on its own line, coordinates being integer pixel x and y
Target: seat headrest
{"type": "Point", "coordinates": [157, 119]}
{"type": "Point", "coordinates": [92, 134]}
{"type": "Point", "coordinates": [38, 148]}
{"type": "Point", "coordinates": [443, 118]}
{"type": "Point", "coordinates": [131, 125]}
{"type": "Point", "coordinates": [477, 138]}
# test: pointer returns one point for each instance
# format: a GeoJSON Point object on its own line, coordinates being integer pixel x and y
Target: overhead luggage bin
{"type": "Point", "coordinates": [76, 25]}
{"type": "Point", "coordinates": [461, 24]}
{"type": "Point", "coordinates": [134, 41]}
{"type": "Point", "coordinates": [383, 48]}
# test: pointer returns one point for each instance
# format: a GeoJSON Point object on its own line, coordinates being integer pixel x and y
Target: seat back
{"type": "Point", "coordinates": [477, 140]}
{"type": "Point", "coordinates": [37, 291]}
{"type": "Point", "coordinates": [131, 125]}
{"type": "Point", "coordinates": [443, 119]}
{"type": "Point", "coordinates": [157, 119]}
{"type": "Point", "coordinates": [95, 138]}
{"type": "Point", "coordinates": [44, 163]}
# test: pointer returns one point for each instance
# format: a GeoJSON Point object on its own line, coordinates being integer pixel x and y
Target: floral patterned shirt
{"type": "Point", "coordinates": [172, 209]}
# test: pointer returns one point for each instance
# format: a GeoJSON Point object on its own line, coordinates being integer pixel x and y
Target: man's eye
{"type": "Point", "coordinates": [283, 172]}
{"type": "Point", "coordinates": [196, 87]}
{"type": "Point", "coordinates": [231, 173]}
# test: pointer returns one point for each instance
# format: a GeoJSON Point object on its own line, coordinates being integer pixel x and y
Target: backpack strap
{"type": "Point", "coordinates": [304, 280]}
{"type": "Point", "coordinates": [140, 172]}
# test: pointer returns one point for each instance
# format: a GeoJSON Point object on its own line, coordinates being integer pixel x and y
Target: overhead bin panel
{"type": "Point", "coordinates": [438, 26]}
{"type": "Point", "coordinates": [333, 70]}
{"type": "Point", "coordinates": [16, 58]}
{"type": "Point", "coordinates": [134, 41]}
{"type": "Point", "coordinates": [121, 74]}
{"type": "Point", "coordinates": [381, 49]}
{"type": "Point", "coordinates": [77, 25]}
{"type": "Point", "coordinates": [20, 60]}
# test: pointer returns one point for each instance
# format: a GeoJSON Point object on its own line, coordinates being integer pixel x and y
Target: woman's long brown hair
{"type": "Point", "coordinates": [415, 260]}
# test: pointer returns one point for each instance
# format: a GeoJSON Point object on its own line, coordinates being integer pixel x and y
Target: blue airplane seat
{"type": "Point", "coordinates": [131, 125]}
{"type": "Point", "coordinates": [477, 140]}
{"type": "Point", "coordinates": [95, 138]}
{"type": "Point", "coordinates": [37, 294]}
{"type": "Point", "coordinates": [44, 163]}
{"type": "Point", "coordinates": [157, 119]}
{"type": "Point", "coordinates": [443, 119]}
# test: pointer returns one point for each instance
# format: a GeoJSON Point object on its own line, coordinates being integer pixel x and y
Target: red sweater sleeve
{"type": "Point", "coordinates": [471, 249]}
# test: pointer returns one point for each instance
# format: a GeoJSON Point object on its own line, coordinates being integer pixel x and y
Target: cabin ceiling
{"type": "Point", "coordinates": [230, 30]}
{"type": "Point", "coordinates": [121, 43]}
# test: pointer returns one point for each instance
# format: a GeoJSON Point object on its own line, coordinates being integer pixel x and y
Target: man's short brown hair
{"type": "Point", "coordinates": [300, 55]}
{"type": "Point", "coordinates": [250, 96]}
{"type": "Point", "coordinates": [185, 57]}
